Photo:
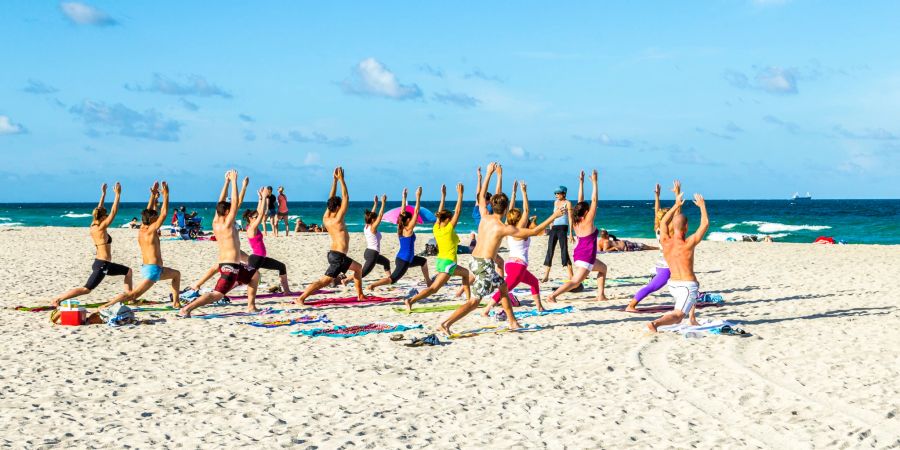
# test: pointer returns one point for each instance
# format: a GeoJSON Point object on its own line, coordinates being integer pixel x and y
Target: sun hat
{"type": "Point", "coordinates": [561, 190]}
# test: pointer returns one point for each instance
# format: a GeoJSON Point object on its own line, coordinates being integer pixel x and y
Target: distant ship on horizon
{"type": "Point", "coordinates": [797, 196]}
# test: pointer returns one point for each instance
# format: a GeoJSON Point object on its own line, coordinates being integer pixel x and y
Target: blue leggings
{"type": "Point", "coordinates": [659, 280]}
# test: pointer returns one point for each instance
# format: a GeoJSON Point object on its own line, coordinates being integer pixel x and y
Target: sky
{"type": "Point", "coordinates": [737, 98]}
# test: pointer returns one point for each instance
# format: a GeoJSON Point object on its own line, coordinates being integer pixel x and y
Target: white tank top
{"type": "Point", "coordinates": [518, 249]}
{"type": "Point", "coordinates": [373, 240]}
{"type": "Point", "coordinates": [661, 261]}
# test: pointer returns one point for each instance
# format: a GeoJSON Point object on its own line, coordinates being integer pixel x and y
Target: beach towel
{"type": "Point", "coordinates": [707, 327]}
{"type": "Point", "coordinates": [277, 295]}
{"type": "Point", "coordinates": [667, 308]}
{"type": "Point", "coordinates": [536, 313]}
{"type": "Point", "coordinates": [288, 322]}
{"type": "Point", "coordinates": [43, 308]}
{"type": "Point", "coordinates": [355, 330]}
{"type": "Point", "coordinates": [495, 329]}
{"type": "Point", "coordinates": [261, 312]}
{"type": "Point", "coordinates": [348, 301]}
{"type": "Point", "coordinates": [430, 309]}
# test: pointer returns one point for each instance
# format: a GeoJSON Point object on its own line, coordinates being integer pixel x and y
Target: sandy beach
{"type": "Point", "coordinates": [821, 368]}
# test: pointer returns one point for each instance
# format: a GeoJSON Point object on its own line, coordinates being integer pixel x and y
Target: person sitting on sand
{"type": "Point", "coordinates": [447, 245]}
{"type": "Point", "coordinates": [406, 256]}
{"type": "Point", "coordinates": [517, 263]}
{"type": "Point", "coordinates": [607, 244]}
{"type": "Point", "coordinates": [338, 261]}
{"type": "Point", "coordinates": [103, 264]}
{"type": "Point", "coordinates": [232, 272]}
{"type": "Point", "coordinates": [585, 252]}
{"type": "Point", "coordinates": [134, 224]}
{"type": "Point", "coordinates": [258, 260]}
{"type": "Point", "coordinates": [678, 249]}
{"type": "Point", "coordinates": [491, 232]}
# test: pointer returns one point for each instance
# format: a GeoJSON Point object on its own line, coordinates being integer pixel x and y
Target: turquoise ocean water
{"type": "Point", "coordinates": [850, 221]}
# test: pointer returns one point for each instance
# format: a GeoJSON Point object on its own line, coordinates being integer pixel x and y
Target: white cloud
{"type": "Point", "coordinates": [772, 79]}
{"type": "Point", "coordinates": [371, 78]}
{"type": "Point", "coordinates": [82, 14]}
{"type": "Point", "coordinates": [605, 140]}
{"type": "Point", "coordinates": [8, 127]}
{"type": "Point", "coordinates": [518, 152]}
{"type": "Point", "coordinates": [312, 159]}
{"type": "Point", "coordinates": [194, 85]}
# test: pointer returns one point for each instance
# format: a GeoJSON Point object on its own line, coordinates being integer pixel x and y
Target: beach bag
{"type": "Point", "coordinates": [430, 248]}
{"type": "Point", "coordinates": [118, 315]}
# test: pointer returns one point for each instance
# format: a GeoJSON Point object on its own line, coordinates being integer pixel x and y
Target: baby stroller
{"type": "Point", "coordinates": [188, 228]}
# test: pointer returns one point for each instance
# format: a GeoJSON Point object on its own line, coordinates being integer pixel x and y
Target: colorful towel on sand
{"type": "Point", "coordinates": [706, 328]}
{"type": "Point", "coordinates": [43, 308]}
{"type": "Point", "coordinates": [430, 309]}
{"type": "Point", "coordinates": [288, 322]}
{"type": "Point", "coordinates": [495, 329]}
{"type": "Point", "coordinates": [667, 308]}
{"type": "Point", "coordinates": [262, 312]}
{"type": "Point", "coordinates": [348, 301]}
{"type": "Point", "coordinates": [355, 330]}
{"type": "Point", "coordinates": [536, 313]}
{"type": "Point", "coordinates": [277, 295]}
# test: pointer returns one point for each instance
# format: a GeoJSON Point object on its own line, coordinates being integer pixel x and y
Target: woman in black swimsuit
{"type": "Point", "coordinates": [103, 264]}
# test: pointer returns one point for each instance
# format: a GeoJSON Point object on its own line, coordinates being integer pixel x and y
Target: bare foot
{"type": "Point", "coordinates": [651, 327]}
{"type": "Point", "coordinates": [695, 323]}
{"type": "Point", "coordinates": [486, 312]}
{"type": "Point", "coordinates": [632, 306]}
{"type": "Point", "coordinates": [443, 328]}
{"type": "Point", "coordinates": [299, 301]}
{"type": "Point", "coordinates": [252, 309]}
{"type": "Point", "coordinates": [176, 305]}
{"type": "Point", "coordinates": [545, 279]}
{"type": "Point", "coordinates": [550, 299]}
{"type": "Point", "coordinates": [514, 324]}
{"type": "Point", "coordinates": [408, 306]}
{"type": "Point", "coordinates": [55, 303]}
{"type": "Point", "coordinates": [603, 298]}
{"type": "Point", "coordinates": [361, 297]}
{"type": "Point", "coordinates": [184, 314]}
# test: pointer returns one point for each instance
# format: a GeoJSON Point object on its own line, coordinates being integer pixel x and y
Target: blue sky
{"type": "Point", "coordinates": [738, 98]}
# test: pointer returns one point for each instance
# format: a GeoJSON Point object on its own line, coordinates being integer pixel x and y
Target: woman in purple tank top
{"type": "Point", "coordinates": [585, 253]}
{"type": "Point", "coordinates": [259, 258]}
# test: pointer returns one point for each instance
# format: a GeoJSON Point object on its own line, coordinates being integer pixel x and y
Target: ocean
{"type": "Point", "coordinates": [849, 221]}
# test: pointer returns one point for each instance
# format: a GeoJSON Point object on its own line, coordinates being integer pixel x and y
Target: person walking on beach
{"type": "Point", "coordinates": [447, 244]}
{"type": "Point", "coordinates": [661, 277]}
{"type": "Point", "coordinates": [338, 261]}
{"type": "Point", "coordinates": [232, 272]}
{"type": "Point", "coordinates": [103, 265]}
{"type": "Point", "coordinates": [259, 259]}
{"type": "Point", "coordinates": [560, 234]}
{"type": "Point", "coordinates": [406, 256]}
{"type": "Point", "coordinates": [585, 253]}
{"type": "Point", "coordinates": [491, 232]}
{"type": "Point", "coordinates": [152, 269]}
{"type": "Point", "coordinates": [272, 211]}
{"type": "Point", "coordinates": [283, 212]}
{"type": "Point", "coordinates": [678, 249]}
{"type": "Point", "coordinates": [373, 254]}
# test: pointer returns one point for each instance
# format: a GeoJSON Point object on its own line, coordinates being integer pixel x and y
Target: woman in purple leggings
{"type": "Point", "coordinates": [661, 277]}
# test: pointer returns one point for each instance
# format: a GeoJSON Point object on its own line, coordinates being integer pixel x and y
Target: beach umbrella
{"type": "Point", "coordinates": [425, 216]}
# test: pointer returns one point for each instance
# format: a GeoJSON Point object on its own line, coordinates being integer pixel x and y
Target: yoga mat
{"type": "Point", "coordinates": [348, 301]}
{"type": "Point", "coordinates": [43, 308]}
{"type": "Point", "coordinates": [429, 309]}
{"type": "Point", "coordinates": [277, 295]}
{"type": "Point", "coordinates": [495, 329]}
{"type": "Point", "coordinates": [536, 313]}
{"type": "Point", "coordinates": [261, 312]}
{"type": "Point", "coordinates": [355, 330]}
{"type": "Point", "coordinates": [288, 322]}
{"type": "Point", "coordinates": [666, 308]}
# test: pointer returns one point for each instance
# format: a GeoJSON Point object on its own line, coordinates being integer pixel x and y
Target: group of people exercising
{"type": "Point", "coordinates": [498, 216]}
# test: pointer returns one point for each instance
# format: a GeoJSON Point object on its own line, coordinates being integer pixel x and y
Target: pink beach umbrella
{"type": "Point", "coordinates": [425, 216]}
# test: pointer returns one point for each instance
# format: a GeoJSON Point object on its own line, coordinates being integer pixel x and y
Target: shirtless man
{"type": "Point", "coordinates": [491, 232]}
{"type": "Point", "coordinates": [232, 272]}
{"type": "Point", "coordinates": [678, 249]}
{"type": "Point", "coordinates": [338, 261]}
{"type": "Point", "coordinates": [151, 255]}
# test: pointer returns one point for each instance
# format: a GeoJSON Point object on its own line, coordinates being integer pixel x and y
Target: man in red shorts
{"type": "Point", "coordinates": [231, 272]}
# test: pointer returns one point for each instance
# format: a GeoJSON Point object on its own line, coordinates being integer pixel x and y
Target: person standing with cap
{"type": "Point", "coordinates": [561, 233]}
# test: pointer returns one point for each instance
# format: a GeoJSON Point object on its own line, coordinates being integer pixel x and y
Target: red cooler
{"type": "Point", "coordinates": [71, 313]}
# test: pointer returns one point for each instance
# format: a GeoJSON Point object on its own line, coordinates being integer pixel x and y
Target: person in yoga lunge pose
{"type": "Point", "coordinates": [373, 254]}
{"type": "Point", "coordinates": [490, 232]}
{"type": "Point", "coordinates": [406, 256]}
{"type": "Point", "coordinates": [605, 244]}
{"type": "Point", "coordinates": [103, 265]}
{"type": "Point", "coordinates": [517, 263]}
{"type": "Point", "coordinates": [447, 244]}
{"type": "Point", "coordinates": [661, 269]}
{"type": "Point", "coordinates": [152, 268]}
{"type": "Point", "coordinates": [560, 233]}
{"type": "Point", "coordinates": [678, 249]}
{"type": "Point", "coordinates": [232, 272]}
{"type": "Point", "coordinates": [476, 215]}
{"type": "Point", "coordinates": [338, 261]}
{"type": "Point", "coordinates": [585, 253]}
{"type": "Point", "coordinates": [259, 259]}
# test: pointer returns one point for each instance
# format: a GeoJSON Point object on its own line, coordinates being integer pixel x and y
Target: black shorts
{"type": "Point", "coordinates": [263, 262]}
{"type": "Point", "coordinates": [100, 269]}
{"type": "Point", "coordinates": [338, 264]}
{"type": "Point", "coordinates": [401, 266]}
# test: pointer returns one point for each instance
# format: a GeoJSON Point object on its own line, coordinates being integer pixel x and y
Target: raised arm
{"type": "Point", "coordinates": [345, 195]}
{"type": "Point", "coordinates": [478, 186]}
{"type": "Point", "coordinates": [165, 207]}
{"type": "Point", "coordinates": [522, 233]}
{"type": "Point", "coordinates": [459, 200]}
{"type": "Point", "coordinates": [261, 207]}
{"type": "Point", "coordinates": [415, 217]}
{"type": "Point", "coordinates": [704, 221]}
{"type": "Point", "coordinates": [232, 212]}
{"type": "Point", "coordinates": [102, 195]}
{"type": "Point", "coordinates": [154, 195]}
{"type": "Point", "coordinates": [594, 196]}
{"type": "Point", "coordinates": [656, 208]}
{"type": "Point", "coordinates": [581, 187]}
{"type": "Point", "coordinates": [523, 222]}
{"type": "Point", "coordinates": [664, 222]}
{"type": "Point", "coordinates": [443, 197]}
{"type": "Point", "coordinates": [482, 206]}
{"type": "Point", "coordinates": [499, 187]}
{"type": "Point", "coordinates": [512, 197]}
{"type": "Point", "coordinates": [244, 185]}
{"type": "Point", "coordinates": [380, 213]}
{"type": "Point", "coordinates": [117, 189]}
{"type": "Point", "coordinates": [403, 200]}
{"type": "Point", "coordinates": [374, 202]}
{"type": "Point", "coordinates": [334, 181]}
{"type": "Point", "coordinates": [224, 193]}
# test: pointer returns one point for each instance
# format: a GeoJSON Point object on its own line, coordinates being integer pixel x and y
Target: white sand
{"type": "Point", "coordinates": [821, 369]}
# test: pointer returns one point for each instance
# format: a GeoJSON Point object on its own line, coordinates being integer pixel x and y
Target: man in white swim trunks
{"type": "Point", "coordinates": [678, 250]}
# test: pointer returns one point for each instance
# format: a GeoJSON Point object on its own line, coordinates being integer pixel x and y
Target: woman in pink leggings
{"type": "Point", "coordinates": [661, 275]}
